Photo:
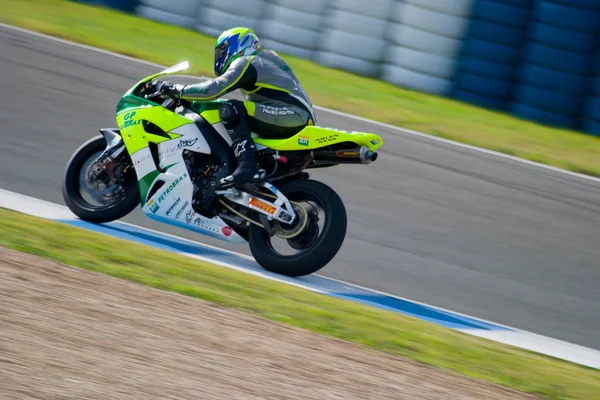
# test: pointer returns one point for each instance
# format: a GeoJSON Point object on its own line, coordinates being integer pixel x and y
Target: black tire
{"type": "Point", "coordinates": [79, 206]}
{"type": "Point", "coordinates": [318, 254]}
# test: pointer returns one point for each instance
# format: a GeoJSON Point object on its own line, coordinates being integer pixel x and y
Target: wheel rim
{"type": "Point", "coordinates": [310, 235]}
{"type": "Point", "coordinates": [91, 192]}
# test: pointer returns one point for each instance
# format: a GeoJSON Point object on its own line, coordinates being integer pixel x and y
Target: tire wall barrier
{"type": "Point", "coordinates": [537, 59]}
{"type": "Point", "coordinates": [591, 104]}
{"type": "Point", "coordinates": [557, 62]}
{"type": "Point", "coordinates": [491, 53]}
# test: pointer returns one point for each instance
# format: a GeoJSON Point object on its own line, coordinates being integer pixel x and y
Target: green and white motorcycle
{"type": "Point", "coordinates": [168, 155]}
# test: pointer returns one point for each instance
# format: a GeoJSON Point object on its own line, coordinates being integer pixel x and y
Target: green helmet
{"type": "Point", "coordinates": [232, 44]}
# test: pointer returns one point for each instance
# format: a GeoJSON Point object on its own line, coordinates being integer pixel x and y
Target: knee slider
{"type": "Point", "coordinates": [231, 113]}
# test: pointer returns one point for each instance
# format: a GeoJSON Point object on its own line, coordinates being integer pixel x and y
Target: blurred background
{"type": "Point", "coordinates": [536, 59]}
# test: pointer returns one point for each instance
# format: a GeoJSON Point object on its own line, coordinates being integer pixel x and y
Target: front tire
{"type": "Point", "coordinates": [117, 206]}
{"type": "Point", "coordinates": [319, 250]}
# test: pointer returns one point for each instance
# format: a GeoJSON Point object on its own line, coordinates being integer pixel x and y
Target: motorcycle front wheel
{"type": "Point", "coordinates": [92, 198]}
{"type": "Point", "coordinates": [302, 250]}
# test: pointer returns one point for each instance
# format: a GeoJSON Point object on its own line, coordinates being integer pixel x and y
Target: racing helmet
{"type": "Point", "coordinates": [232, 44]}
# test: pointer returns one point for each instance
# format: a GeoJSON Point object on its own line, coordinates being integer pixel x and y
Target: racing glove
{"type": "Point", "coordinates": [169, 89]}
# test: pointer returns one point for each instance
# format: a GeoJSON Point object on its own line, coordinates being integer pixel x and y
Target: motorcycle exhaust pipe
{"type": "Point", "coordinates": [357, 155]}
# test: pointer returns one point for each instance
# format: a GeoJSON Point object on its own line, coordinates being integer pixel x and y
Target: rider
{"type": "Point", "coordinates": [276, 105]}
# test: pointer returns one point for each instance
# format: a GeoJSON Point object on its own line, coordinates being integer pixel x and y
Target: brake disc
{"type": "Point", "coordinates": [299, 225]}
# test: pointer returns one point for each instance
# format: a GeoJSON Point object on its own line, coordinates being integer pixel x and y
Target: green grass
{"type": "Point", "coordinates": [377, 329]}
{"type": "Point", "coordinates": [327, 87]}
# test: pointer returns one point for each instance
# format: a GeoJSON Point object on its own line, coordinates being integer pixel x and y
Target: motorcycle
{"type": "Point", "coordinates": [168, 155]}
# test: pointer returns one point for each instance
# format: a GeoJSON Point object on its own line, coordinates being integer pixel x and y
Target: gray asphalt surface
{"type": "Point", "coordinates": [497, 239]}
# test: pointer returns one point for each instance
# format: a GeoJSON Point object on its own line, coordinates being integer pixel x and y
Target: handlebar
{"type": "Point", "coordinates": [166, 104]}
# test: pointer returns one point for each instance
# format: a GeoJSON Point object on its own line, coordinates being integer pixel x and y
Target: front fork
{"type": "Point", "coordinates": [108, 161]}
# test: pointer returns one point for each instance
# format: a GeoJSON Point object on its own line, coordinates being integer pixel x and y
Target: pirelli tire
{"type": "Point", "coordinates": [327, 244]}
{"type": "Point", "coordinates": [75, 201]}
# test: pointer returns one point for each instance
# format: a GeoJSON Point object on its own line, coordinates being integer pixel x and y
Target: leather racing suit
{"type": "Point", "coordinates": [280, 106]}
{"type": "Point", "coordinates": [276, 106]}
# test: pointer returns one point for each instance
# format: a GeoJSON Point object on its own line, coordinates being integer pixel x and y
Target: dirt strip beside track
{"type": "Point", "coordinates": [72, 334]}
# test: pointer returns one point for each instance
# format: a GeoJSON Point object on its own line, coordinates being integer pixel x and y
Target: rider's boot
{"type": "Point", "coordinates": [247, 169]}
{"type": "Point", "coordinates": [233, 115]}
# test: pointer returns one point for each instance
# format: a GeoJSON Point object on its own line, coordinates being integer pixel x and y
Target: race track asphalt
{"type": "Point", "coordinates": [472, 232]}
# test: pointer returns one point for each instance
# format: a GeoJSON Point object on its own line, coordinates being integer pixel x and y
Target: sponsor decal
{"type": "Point", "coordinates": [327, 139]}
{"type": "Point", "coordinates": [196, 90]}
{"type": "Point", "coordinates": [351, 153]}
{"type": "Point", "coordinates": [261, 205]}
{"type": "Point", "coordinates": [244, 41]}
{"type": "Point", "coordinates": [221, 81]}
{"type": "Point", "coordinates": [226, 231]}
{"type": "Point", "coordinates": [276, 110]}
{"type": "Point", "coordinates": [129, 121]}
{"type": "Point", "coordinates": [172, 186]}
{"type": "Point", "coordinates": [303, 140]}
{"type": "Point", "coordinates": [168, 152]}
{"type": "Point", "coordinates": [143, 160]}
{"type": "Point", "coordinates": [187, 143]}
{"type": "Point", "coordinates": [182, 209]}
{"type": "Point", "coordinates": [154, 207]}
{"type": "Point", "coordinates": [170, 209]}
{"type": "Point", "coordinates": [189, 216]}
{"type": "Point", "coordinates": [375, 141]}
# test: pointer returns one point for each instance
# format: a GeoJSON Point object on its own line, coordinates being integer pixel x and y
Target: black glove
{"type": "Point", "coordinates": [169, 89]}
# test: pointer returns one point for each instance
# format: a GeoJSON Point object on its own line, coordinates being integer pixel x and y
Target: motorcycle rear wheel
{"type": "Point", "coordinates": [319, 250]}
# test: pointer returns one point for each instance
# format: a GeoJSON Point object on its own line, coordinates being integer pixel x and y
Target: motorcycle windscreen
{"type": "Point", "coordinates": [176, 68]}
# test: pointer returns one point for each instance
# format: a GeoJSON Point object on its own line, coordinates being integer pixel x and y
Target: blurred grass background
{"type": "Point", "coordinates": [164, 44]}
{"type": "Point", "coordinates": [377, 329]}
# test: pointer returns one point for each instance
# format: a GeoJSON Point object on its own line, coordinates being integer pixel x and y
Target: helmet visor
{"type": "Point", "coordinates": [220, 57]}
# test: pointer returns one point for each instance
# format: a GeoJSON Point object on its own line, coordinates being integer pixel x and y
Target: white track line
{"type": "Point", "coordinates": [326, 286]}
{"type": "Point", "coordinates": [334, 112]}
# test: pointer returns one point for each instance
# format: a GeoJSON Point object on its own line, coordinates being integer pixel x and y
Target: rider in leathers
{"type": "Point", "coordinates": [276, 105]}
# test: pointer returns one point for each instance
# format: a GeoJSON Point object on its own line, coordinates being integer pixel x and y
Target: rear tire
{"type": "Point", "coordinates": [78, 205]}
{"type": "Point", "coordinates": [322, 251]}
